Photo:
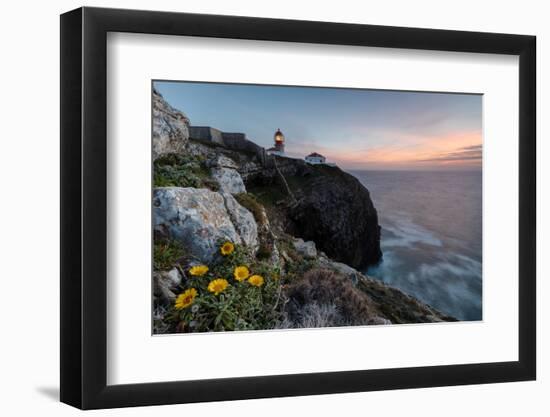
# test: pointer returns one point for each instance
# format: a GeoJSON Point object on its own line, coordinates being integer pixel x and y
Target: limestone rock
{"type": "Point", "coordinates": [199, 219]}
{"type": "Point", "coordinates": [224, 171]}
{"type": "Point", "coordinates": [164, 284]}
{"type": "Point", "coordinates": [306, 249]}
{"type": "Point", "coordinates": [243, 221]}
{"type": "Point", "coordinates": [346, 270]}
{"type": "Point", "coordinates": [220, 161]}
{"type": "Point", "coordinates": [170, 128]}
{"type": "Point", "coordinates": [229, 180]}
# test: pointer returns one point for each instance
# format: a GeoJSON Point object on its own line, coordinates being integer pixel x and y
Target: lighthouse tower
{"type": "Point", "coordinates": [279, 148]}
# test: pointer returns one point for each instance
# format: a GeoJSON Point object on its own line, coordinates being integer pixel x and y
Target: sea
{"type": "Point", "coordinates": [431, 236]}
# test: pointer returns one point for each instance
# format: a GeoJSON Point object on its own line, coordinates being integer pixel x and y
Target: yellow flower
{"type": "Point", "coordinates": [241, 273]}
{"type": "Point", "coordinates": [256, 280]}
{"type": "Point", "coordinates": [185, 299]}
{"type": "Point", "coordinates": [198, 270]}
{"type": "Point", "coordinates": [227, 248]}
{"type": "Point", "coordinates": [218, 285]}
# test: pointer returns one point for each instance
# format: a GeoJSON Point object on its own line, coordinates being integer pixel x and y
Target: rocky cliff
{"type": "Point", "coordinates": [170, 127]}
{"type": "Point", "coordinates": [325, 205]}
{"type": "Point", "coordinates": [303, 227]}
{"type": "Point", "coordinates": [315, 202]}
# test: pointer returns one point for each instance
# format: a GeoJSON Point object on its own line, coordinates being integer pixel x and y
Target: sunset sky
{"type": "Point", "coordinates": [357, 129]}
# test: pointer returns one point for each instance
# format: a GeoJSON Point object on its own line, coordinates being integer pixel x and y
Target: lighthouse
{"type": "Point", "coordinates": [279, 145]}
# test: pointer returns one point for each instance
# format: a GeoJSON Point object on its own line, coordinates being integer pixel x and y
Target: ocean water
{"type": "Point", "coordinates": [431, 236]}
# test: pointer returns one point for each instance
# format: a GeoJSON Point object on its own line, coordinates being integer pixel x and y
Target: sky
{"type": "Point", "coordinates": [354, 128]}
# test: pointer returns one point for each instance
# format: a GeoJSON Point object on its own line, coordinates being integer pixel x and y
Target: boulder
{"type": "Point", "coordinates": [224, 171]}
{"type": "Point", "coordinates": [170, 128]}
{"type": "Point", "coordinates": [306, 249]}
{"type": "Point", "coordinates": [243, 221]}
{"type": "Point", "coordinates": [346, 270]}
{"type": "Point", "coordinates": [217, 160]}
{"type": "Point", "coordinates": [165, 283]}
{"type": "Point", "coordinates": [199, 219]}
{"type": "Point", "coordinates": [229, 180]}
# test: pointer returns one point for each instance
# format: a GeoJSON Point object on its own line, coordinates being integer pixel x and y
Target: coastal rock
{"type": "Point", "coordinates": [335, 211]}
{"type": "Point", "coordinates": [243, 220]}
{"type": "Point", "coordinates": [326, 205]}
{"type": "Point", "coordinates": [345, 270]}
{"type": "Point", "coordinates": [164, 284]}
{"type": "Point", "coordinates": [220, 161]}
{"type": "Point", "coordinates": [224, 171]}
{"type": "Point", "coordinates": [170, 128]}
{"type": "Point", "coordinates": [306, 249]}
{"type": "Point", "coordinates": [173, 277]}
{"type": "Point", "coordinates": [229, 180]}
{"type": "Point", "coordinates": [394, 305]}
{"type": "Point", "coordinates": [199, 219]}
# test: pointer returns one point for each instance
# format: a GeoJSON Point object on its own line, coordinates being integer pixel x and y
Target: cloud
{"type": "Point", "coordinates": [392, 149]}
{"type": "Point", "coordinates": [465, 154]}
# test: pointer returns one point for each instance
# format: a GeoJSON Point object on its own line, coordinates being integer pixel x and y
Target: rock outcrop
{"type": "Point", "coordinates": [199, 219]}
{"type": "Point", "coordinates": [324, 298]}
{"type": "Point", "coordinates": [336, 212]}
{"type": "Point", "coordinates": [390, 304]}
{"type": "Point", "coordinates": [305, 249]}
{"type": "Point", "coordinates": [224, 172]}
{"type": "Point", "coordinates": [165, 284]}
{"type": "Point", "coordinates": [170, 128]}
{"type": "Point", "coordinates": [329, 207]}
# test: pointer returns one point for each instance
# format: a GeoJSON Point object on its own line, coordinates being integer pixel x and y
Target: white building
{"type": "Point", "coordinates": [315, 158]}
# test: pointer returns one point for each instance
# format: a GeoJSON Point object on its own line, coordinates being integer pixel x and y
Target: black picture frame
{"type": "Point", "coordinates": [84, 207]}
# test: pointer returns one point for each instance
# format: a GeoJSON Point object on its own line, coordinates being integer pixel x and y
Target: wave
{"type": "Point", "coordinates": [403, 232]}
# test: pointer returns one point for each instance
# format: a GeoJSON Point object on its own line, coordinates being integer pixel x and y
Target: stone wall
{"type": "Point", "coordinates": [233, 141]}
{"type": "Point", "coordinates": [206, 133]}
{"type": "Point", "coordinates": [244, 145]}
{"type": "Point", "coordinates": [233, 137]}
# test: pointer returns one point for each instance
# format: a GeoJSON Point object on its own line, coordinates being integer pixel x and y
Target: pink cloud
{"type": "Point", "coordinates": [403, 152]}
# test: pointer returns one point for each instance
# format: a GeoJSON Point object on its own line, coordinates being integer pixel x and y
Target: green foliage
{"type": "Point", "coordinates": [264, 251]}
{"type": "Point", "coordinates": [299, 268]}
{"type": "Point", "coordinates": [174, 170]}
{"type": "Point", "coordinates": [250, 202]}
{"type": "Point", "coordinates": [268, 195]}
{"type": "Point", "coordinates": [241, 306]}
{"type": "Point", "coordinates": [166, 254]}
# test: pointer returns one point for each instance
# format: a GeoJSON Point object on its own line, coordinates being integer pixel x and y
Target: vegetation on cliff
{"type": "Point", "coordinates": [235, 292]}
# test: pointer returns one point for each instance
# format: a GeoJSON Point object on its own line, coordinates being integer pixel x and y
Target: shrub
{"type": "Point", "coordinates": [324, 288]}
{"type": "Point", "coordinates": [166, 253]}
{"type": "Point", "coordinates": [264, 251]}
{"type": "Point", "coordinates": [174, 170]}
{"type": "Point", "coordinates": [234, 293]}
{"type": "Point", "coordinates": [315, 315]}
{"type": "Point", "coordinates": [250, 202]}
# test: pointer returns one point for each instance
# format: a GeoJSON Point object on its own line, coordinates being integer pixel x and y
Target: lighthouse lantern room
{"type": "Point", "coordinates": [279, 146]}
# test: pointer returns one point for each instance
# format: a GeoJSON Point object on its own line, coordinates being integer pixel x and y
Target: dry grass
{"type": "Point", "coordinates": [325, 298]}
{"type": "Point", "coordinates": [315, 315]}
